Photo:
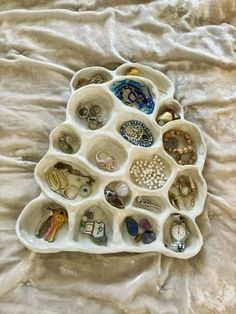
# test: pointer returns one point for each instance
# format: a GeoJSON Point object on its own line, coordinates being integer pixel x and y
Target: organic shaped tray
{"type": "Point", "coordinates": [104, 88]}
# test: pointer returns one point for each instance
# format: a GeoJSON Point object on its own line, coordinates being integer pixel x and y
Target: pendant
{"type": "Point", "coordinates": [137, 133]}
{"type": "Point", "coordinates": [134, 94]}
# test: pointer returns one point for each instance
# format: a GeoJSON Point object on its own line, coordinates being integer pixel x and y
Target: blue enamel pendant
{"type": "Point", "coordinates": [134, 94]}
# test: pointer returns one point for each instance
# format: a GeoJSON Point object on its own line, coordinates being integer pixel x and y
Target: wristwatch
{"type": "Point", "coordinates": [179, 233]}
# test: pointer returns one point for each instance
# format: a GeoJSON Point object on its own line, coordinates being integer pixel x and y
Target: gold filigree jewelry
{"type": "Point", "coordinates": [56, 179]}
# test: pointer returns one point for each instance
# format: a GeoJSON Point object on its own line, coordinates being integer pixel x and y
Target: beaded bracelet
{"type": "Point", "coordinates": [171, 145]}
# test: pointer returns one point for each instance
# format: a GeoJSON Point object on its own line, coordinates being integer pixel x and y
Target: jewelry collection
{"type": "Point", "coordinates": [93, 114]}
{"type": "Point", "coordinates": [54, 217]}
{"type": "Point", "coordinates": [141, 231]}
{"type": "Point", "coordinates": [117, 194]}
{"type": "Point", "coordinates": [183, 192]}
{"type": "Point", "coordinates": [96, 79]}
{"type": "Point", "coordinates": [146, 203]}
{"type": "Point", "coordinates": [179, 145]}
{"type": "Point", "coordinates": [106, 162]}
{"type": "Point", "coordinates": [167, 116]}
{"type": "Point", "coordinates": [149, 174]}
{"type": "Point", "coordinates": [134, 94]}
{"type": "Point", "coordinates": [137, 133]}
{"type": "Point", "coordinates": [68, 144]}
{"type": "Point", "coordinates": [95, 229]}
{"type": "Point", "coordinates": [68, 182]}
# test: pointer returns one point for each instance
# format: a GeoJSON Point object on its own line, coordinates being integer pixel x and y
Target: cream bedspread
{"type": "Point", "coordinates": [42, 44]}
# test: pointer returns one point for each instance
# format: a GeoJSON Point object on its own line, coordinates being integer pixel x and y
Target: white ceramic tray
{"type": "Point", "coordinates": [108, 138]}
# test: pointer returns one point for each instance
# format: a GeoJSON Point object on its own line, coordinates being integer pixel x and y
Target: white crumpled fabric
{"type": "Point", "coordinates": [42, 44]}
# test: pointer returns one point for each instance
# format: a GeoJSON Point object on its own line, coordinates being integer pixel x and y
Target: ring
{"type": "Point", "coordinates": [83, 112]}
{"type": "Point", "coordinates": [105, 161]}
{"type": "Point", "coordinates": [70, 192]}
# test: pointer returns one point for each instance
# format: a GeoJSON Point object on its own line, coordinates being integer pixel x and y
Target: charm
{"type": "Point", "coordinates": [50, 227]}
{"type": "Point", "coordinates": [137, 133]}
{"type": "Point", "coordinates": [99, 232]}
{"type": "Point", "coordinates": [134, 94]}
{"type": "Point", "coordinates": [85, 190]}
{"type": "Point", "coordinates": [132, 226]}
{"type": "Point", "coordinates": [88, 227]}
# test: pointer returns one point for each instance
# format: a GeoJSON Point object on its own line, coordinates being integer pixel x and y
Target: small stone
{"type": "Point", "coordinates": [148, 237]}
{"type": "Point", "coordinates": [145, 224]}
{"type": "Point", "coordinates": [164, 118]}
{"type": "Point", "coordinates": [132, 226]}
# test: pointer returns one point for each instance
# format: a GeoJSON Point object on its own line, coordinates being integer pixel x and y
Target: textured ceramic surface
{"type": "Point", "coordinates": [107, 138]}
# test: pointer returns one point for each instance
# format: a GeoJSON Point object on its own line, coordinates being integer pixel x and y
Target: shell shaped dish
{"type": "Point", "coordinates": [119, 171]}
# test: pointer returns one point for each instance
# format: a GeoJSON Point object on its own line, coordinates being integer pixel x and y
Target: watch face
{"type": "Point", "coordinates": [178, 231]}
